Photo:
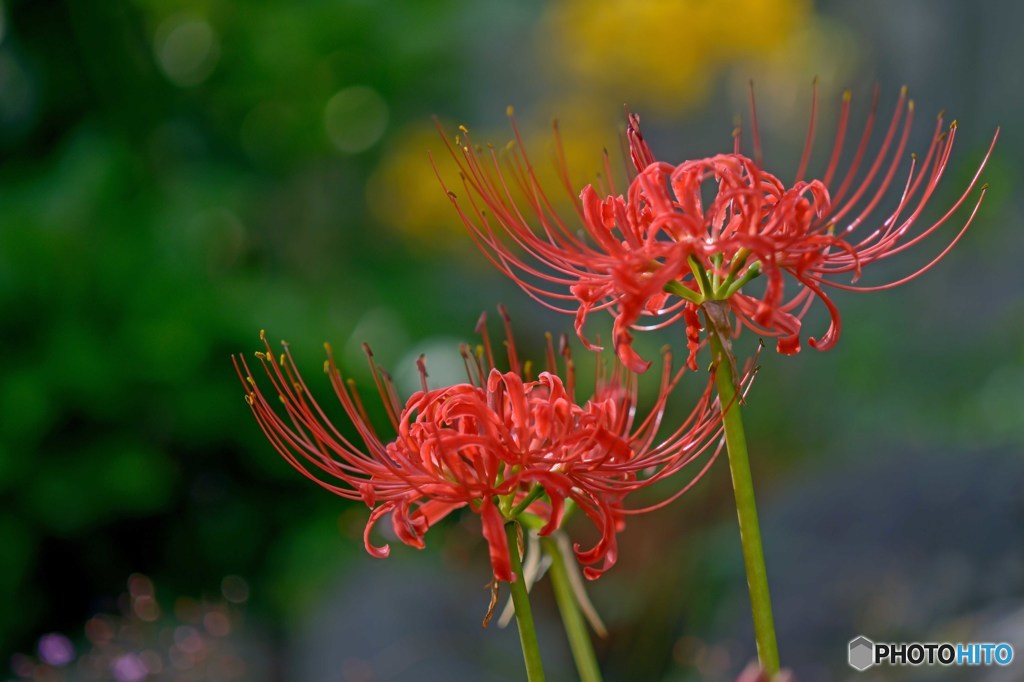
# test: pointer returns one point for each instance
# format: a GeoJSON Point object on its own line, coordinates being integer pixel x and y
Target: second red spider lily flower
{"type": "Point", "coordinates": [500, 444]}
{"type": "Point", "coordinates": [704, 229]}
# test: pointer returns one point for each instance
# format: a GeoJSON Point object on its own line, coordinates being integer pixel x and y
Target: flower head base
{"type": "Point", "coordinates": [500, 444]}
{"type": "Point", "coordinates": [662, 250]}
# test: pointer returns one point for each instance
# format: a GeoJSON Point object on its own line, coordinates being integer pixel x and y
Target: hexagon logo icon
{"type": "Point", "coordinates": [862, 653]}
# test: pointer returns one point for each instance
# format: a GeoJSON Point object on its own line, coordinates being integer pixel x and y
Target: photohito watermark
{"type": "Point", "coordinates": [864, 653]}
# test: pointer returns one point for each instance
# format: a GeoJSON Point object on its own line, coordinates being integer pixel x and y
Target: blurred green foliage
{"type": "Point", "coordinates": [154, 213]}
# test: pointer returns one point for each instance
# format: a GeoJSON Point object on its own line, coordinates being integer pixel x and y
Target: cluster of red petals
{"type": "Point", "coordinates": [632, 245]}
{"type": "Point", "coordinates": [752, 218]}
{"type": "Point", "coordinates": [488, 445]}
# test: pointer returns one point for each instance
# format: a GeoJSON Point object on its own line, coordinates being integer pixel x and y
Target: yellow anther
{"type": "Point", "coordinates": [263, 335]}
{"type": "Point", "coordinates": [261, 355]}
{"type": "Point", "coordinates": [282, 358]}
{"type": "Point", "coordinates": [847, 95]}
{"type": "Point", "coordinates": [903, 91]}
{"type": "Point", "coordinates": [910, 105]}
{"type": "Point", "coordinates": [465, 131]}
{"type": "Point", "coordinates": [510, 111]}
{"type": "Point", "coordinates": [327, 367]}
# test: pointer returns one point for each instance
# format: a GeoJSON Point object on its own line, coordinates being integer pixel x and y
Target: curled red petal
{"type": "Point", "coordinates": [788, 345]}
{"type": "Point", "coordinates": [693, 327]}
{"type": "Point", "coordinates": [435, 510]}
{"type": "Point", "coordinates": [624, 348]}
{"type": "Point", "coordinates": [407, 529]}
{"type": "Point", "coordinates": [384, 550]}
{"type": "Point", "coordinates": [835, 325]}
{"type": "Point", "coordinates": [497, 543]}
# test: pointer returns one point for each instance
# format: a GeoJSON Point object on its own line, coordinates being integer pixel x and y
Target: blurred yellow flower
{"type": "Point", "coordinates": [820, 49]}
{"type": "Point", "coordinates": [404, 193]}
{"type": "Point", "coordinates": [658, 55]}
{"type": "Point", "coordinates": [662, 55]}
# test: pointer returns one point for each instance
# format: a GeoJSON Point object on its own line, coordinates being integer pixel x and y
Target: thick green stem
{"type": "Point", "coordinates": [746, 509]}
{"type": "Point", "coordinates": [524, 615]}
{"type": "Point", "coordinates": [572, 618]}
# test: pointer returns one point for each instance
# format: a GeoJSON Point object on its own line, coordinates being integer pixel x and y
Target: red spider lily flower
{"type": "Point", "coordinates": [500, 444]}
{"type": "Point", "coordinates": [664, 237]}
